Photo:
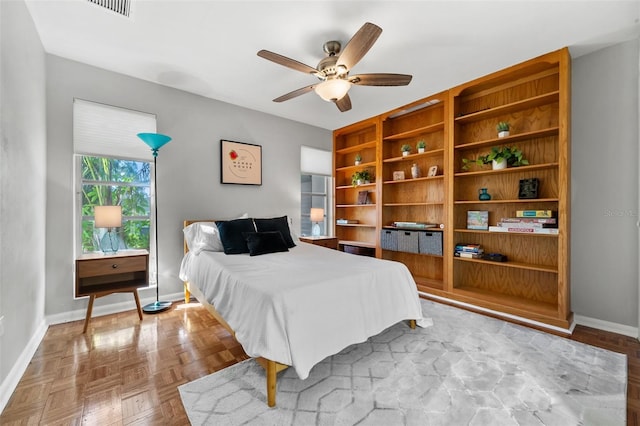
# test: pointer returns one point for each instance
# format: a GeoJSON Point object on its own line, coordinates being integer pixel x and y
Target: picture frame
{"type": "Point", "coordinates": [478, 220]}
{"type": "Point", "coordinates": [528, 188]}
{"type": "Point", "coordinates": [240, 163]}
{"type": "Point", "coordinates": [398, 175]}
{"type": "Point", "coordinates": [433, 171]}
{"type": "Point", "coordinates": [363, 197]}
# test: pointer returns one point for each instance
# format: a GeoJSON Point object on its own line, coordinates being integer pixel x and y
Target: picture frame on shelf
{"type": "Point", "coordinates": [363, 197]}
{"type": "Point", "coordinates": [433, 171]}
{"type": "Point", "coordinates": [478, 220]}
{"type": "Point", "coordinates": [528, 188]}
{"type": "Point", "coordinates": [398, 175]}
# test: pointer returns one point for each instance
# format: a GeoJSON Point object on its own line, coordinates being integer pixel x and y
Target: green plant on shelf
{"type": "Point", "coordinates": [503, 126]}
{"type": "Point", "coordinates": [421, 144]}
{"type": "Point", "coordinates": [406, 149]}
{"type": "Point", "coordinates": [360, 177]}
{"type": "Point", "coordinates": [512, 155]}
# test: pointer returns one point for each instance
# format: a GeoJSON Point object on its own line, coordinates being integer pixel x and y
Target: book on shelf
{"type": "Point", "coordinates": [545, 220]}
{"type": "Point", "coordinates": [346, 221]}
{"type": "Point", "coordinates": [526, 225]}
{"type": "Point", "coordinates": [536, 213]}
{"type": "Point", "coordinates": [470, 248]}
{"type": "Point", "coordinates": [468, 255]}
{"type": "Point", "coordinates": [478, 220]}
{"type": "Point", "coordinates": [416, 225]}
{"type": "Point", "coordinates": [553, 231]}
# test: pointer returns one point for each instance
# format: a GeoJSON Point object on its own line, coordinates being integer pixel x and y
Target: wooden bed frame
{"type": "Point", "coordinates": [272, 368]}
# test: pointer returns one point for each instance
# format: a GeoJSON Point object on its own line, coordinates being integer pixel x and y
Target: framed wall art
{"type": "Point", "coordinates": [240, 163]}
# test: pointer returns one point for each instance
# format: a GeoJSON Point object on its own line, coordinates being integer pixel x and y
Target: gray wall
{"type": "Point", "coordinates": [188, 167]}
{"type": "Point", "coordinates": [22, 186]}
{"type": "Point", "coordinates": [604, 179]}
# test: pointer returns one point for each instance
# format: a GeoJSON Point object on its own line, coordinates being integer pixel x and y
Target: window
{"type": "Point", "coordinates": [315, 182]}
{"type": "Point", "coordinates": [313, 194]}
{"type": "Point", "coordinates": [113, 167]}
{"type": "Point", "coordinates": [114, 182]}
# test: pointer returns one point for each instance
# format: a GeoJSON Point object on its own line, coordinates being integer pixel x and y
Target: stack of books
{"type": "Point", "coordinates": [470, 251]}
{"type": "Point", "coordinates": [529, 221]}
{"type": "Point", "coordinates": [414, 225]}
{"type": "Point", "coordinates": [346, 221]}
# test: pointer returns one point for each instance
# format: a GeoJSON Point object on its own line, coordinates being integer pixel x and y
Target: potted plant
{"type": "Point", "coordinates": [421, 146]}
{"type": "Point", "coordinates": [499, 157]}
{"type": "Point", "coordinates": [360, 177]}
{"type": "Point", "coordinates": [358, 159]}
{"type": "Point", "coordinates": [503, 129]}
{"type": "Point", "coordinates": [406, 149]}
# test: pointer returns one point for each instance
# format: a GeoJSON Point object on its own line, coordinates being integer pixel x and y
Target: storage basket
{"type": "Point", "coordinates": [430, 242]}
{"type": "Point", "coordinates": [408, 241]}
{"type": "Point", "coordinates": [389, 239]}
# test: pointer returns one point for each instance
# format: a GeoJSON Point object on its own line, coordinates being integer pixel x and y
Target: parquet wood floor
{"type": "Point", "coordinates": [126, 372]}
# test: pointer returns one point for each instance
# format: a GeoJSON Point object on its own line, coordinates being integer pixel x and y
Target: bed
{"type": "Point", "coordinates": [296, 306]}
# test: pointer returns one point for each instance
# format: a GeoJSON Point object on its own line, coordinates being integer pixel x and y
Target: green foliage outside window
{"type": "Point", "coordinates": [113, 182]}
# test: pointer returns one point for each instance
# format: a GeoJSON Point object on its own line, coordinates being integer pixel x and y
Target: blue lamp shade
{"type": "Point", "coordinates": [154, 140]}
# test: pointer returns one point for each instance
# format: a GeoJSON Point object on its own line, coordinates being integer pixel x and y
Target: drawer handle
{"type": "Point", "coordinates": [114, 266]}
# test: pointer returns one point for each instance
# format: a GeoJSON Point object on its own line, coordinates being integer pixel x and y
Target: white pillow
{"type": "Point", "coordinates": [204, 236]}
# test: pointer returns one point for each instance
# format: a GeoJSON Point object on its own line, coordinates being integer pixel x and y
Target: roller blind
{"type": "Point", "coordinates": [109, 131]}
{"type": "Point", "coordinates": [315, 161]}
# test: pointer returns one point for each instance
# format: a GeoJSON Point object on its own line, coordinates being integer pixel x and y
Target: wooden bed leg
{"type": "Point", "coordinates": [412, 324]}
{"type": "Point", "coordinates": [187, 295]}
{"type": "Point", "coordinates": [271, 383]}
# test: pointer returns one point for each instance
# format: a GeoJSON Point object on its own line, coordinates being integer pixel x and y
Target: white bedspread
{"type": "Point", "coordinates": [299, 307]}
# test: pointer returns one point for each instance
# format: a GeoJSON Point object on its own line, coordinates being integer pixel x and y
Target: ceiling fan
{"type": "Point", "coordinates": [333, 71]}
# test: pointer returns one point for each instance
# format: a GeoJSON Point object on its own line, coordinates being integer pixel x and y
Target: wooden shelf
{"type": "Point", "coordinates": [412, 180]}
{"type": "Point", "coordinates": [552, 131]}
{"type": "Point", "coordinates": [354, 205]}
{"type": "Point", "coordinates": [414, 132]}
{"type": "Point", "coordinates": [364, 185]}
{"type": "Point", "coordinates": [357, 243]}
{"type": "Point", "coordinates": [519, 169]}
{"type": "Point", "coordinates": [429, 282]}
{"type": "Point", "coordinates": [356, 225]}
{"type": "Point", "coordinates": [411, 204]}
{"type": "Point", "coordinates": [519, 200]}
{"type": "Point", "coordinates": [527, 234]}
{"type": "Point", "coordinates": [356, 148]}
{"type": "Point", "coordinates": [354, 167]}
{"type": "Point", "coordinates": [413, 157]}
{"type": "Point", "coordinates": [509, 264]}
{"type": "Point", "coordinates": [521, 306]}
{"type": "Point", "coordinates": [532, 102]}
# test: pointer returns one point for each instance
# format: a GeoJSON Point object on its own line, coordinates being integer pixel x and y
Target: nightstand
{"type": "Point", "coordinates": [99, 275]}
{"type": "Point", "coordinates": [323, 241]}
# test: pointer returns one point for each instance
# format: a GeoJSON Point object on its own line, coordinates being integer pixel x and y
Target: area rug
{"type": "Point", "coordinates": [467, 369]}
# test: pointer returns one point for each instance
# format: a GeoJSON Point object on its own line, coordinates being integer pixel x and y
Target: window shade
{"type": "Point", "coordinates": [315, 161]}
{"type": "Point", "coordinates": [110, 131]}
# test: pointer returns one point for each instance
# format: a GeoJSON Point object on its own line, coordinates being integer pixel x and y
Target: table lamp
{"type": "Point", "coordinates": [317, 215]}
{"type": "Point", "coordinates": [109, 217]}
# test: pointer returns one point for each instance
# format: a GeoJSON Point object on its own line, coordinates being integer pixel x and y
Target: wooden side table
{"type": "Point", "coordinates": [99, 275]}
{"type": "Point", "coordinates": [323, 241]}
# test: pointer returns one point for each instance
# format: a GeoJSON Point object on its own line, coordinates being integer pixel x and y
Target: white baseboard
{"type": "Point", "coordinates": [17, 371]}
{"type": "Point", "coordinates": [612, 327]}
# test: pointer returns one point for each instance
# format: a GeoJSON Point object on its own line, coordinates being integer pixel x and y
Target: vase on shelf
{"type": "Point", "coordinates": [483, 195]}
{"type": "Point", "coordinates": [499, 164]}
{"type": "Point", "coordinates": [415, 171]}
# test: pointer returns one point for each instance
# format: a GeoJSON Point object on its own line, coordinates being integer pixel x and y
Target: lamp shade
{"type": "Point", "coordinates": [154, 140]}
{"type": "Point", "coordinates": [108, 216]}
{"type": "Point", "coordinates": [333, 90]}
{"type": "Point", "coordinates": [317, 215]}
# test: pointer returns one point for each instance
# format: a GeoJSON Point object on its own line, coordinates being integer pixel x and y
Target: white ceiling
{"type": "Point", "coordinates": [209, 47]}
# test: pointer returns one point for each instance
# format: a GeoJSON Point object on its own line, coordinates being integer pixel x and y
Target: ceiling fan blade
{"type": "Point", "coordinates": [381, 79]}
{"type": "Point", "coordinates": [295, 93]}
{"type": "Point", "coordinates": [287, 62]}
{"type": "Point", "coordinates": [344, 104]}
{"type": "Point", "coordinates": [359, 45]}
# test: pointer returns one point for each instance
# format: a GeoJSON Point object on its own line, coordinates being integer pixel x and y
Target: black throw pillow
{"type": "Point", "coordinates": [231, 236]}
{"type": "Point", "coordinates": [265, 242]}
{"type": "Point", "coordinates": [276, 224]}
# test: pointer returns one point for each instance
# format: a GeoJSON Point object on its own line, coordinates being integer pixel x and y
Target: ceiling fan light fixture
{"type": "Point", "coordinates": [333, 90]}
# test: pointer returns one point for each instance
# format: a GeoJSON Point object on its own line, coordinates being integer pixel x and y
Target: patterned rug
{"type": "Point", "coordinates": [467, 369]}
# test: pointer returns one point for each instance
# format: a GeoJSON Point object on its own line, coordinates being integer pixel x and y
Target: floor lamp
{"type": "Point", "coordinates": [155, 142]}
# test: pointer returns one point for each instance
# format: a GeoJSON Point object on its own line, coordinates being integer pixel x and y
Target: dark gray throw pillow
{"type": "Point", "coordinates": [265, 242]}
{"type": "Point", "coordinates": [231, 235]}
{"type": "Point", "coordinates": [276, 224]}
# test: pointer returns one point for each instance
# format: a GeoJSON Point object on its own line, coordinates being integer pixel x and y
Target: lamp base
{"type": "Point", "coordinates": [109, 243]}
{"type": "Point", "coordinates": [315, 231]}
{"type": "Point", "coordinates": [155, 307]}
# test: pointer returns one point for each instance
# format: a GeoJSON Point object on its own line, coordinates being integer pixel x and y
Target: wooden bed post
{"type": "Point", "coordinates": [412, 324]}
{"type": "Point", "coordinates": [271, 383]}
{"type": "Point", "coordinates": [187, 295]}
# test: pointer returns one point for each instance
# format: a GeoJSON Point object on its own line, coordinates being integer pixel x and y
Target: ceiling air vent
{"type": "Point", "coordinates": [121, 7]}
